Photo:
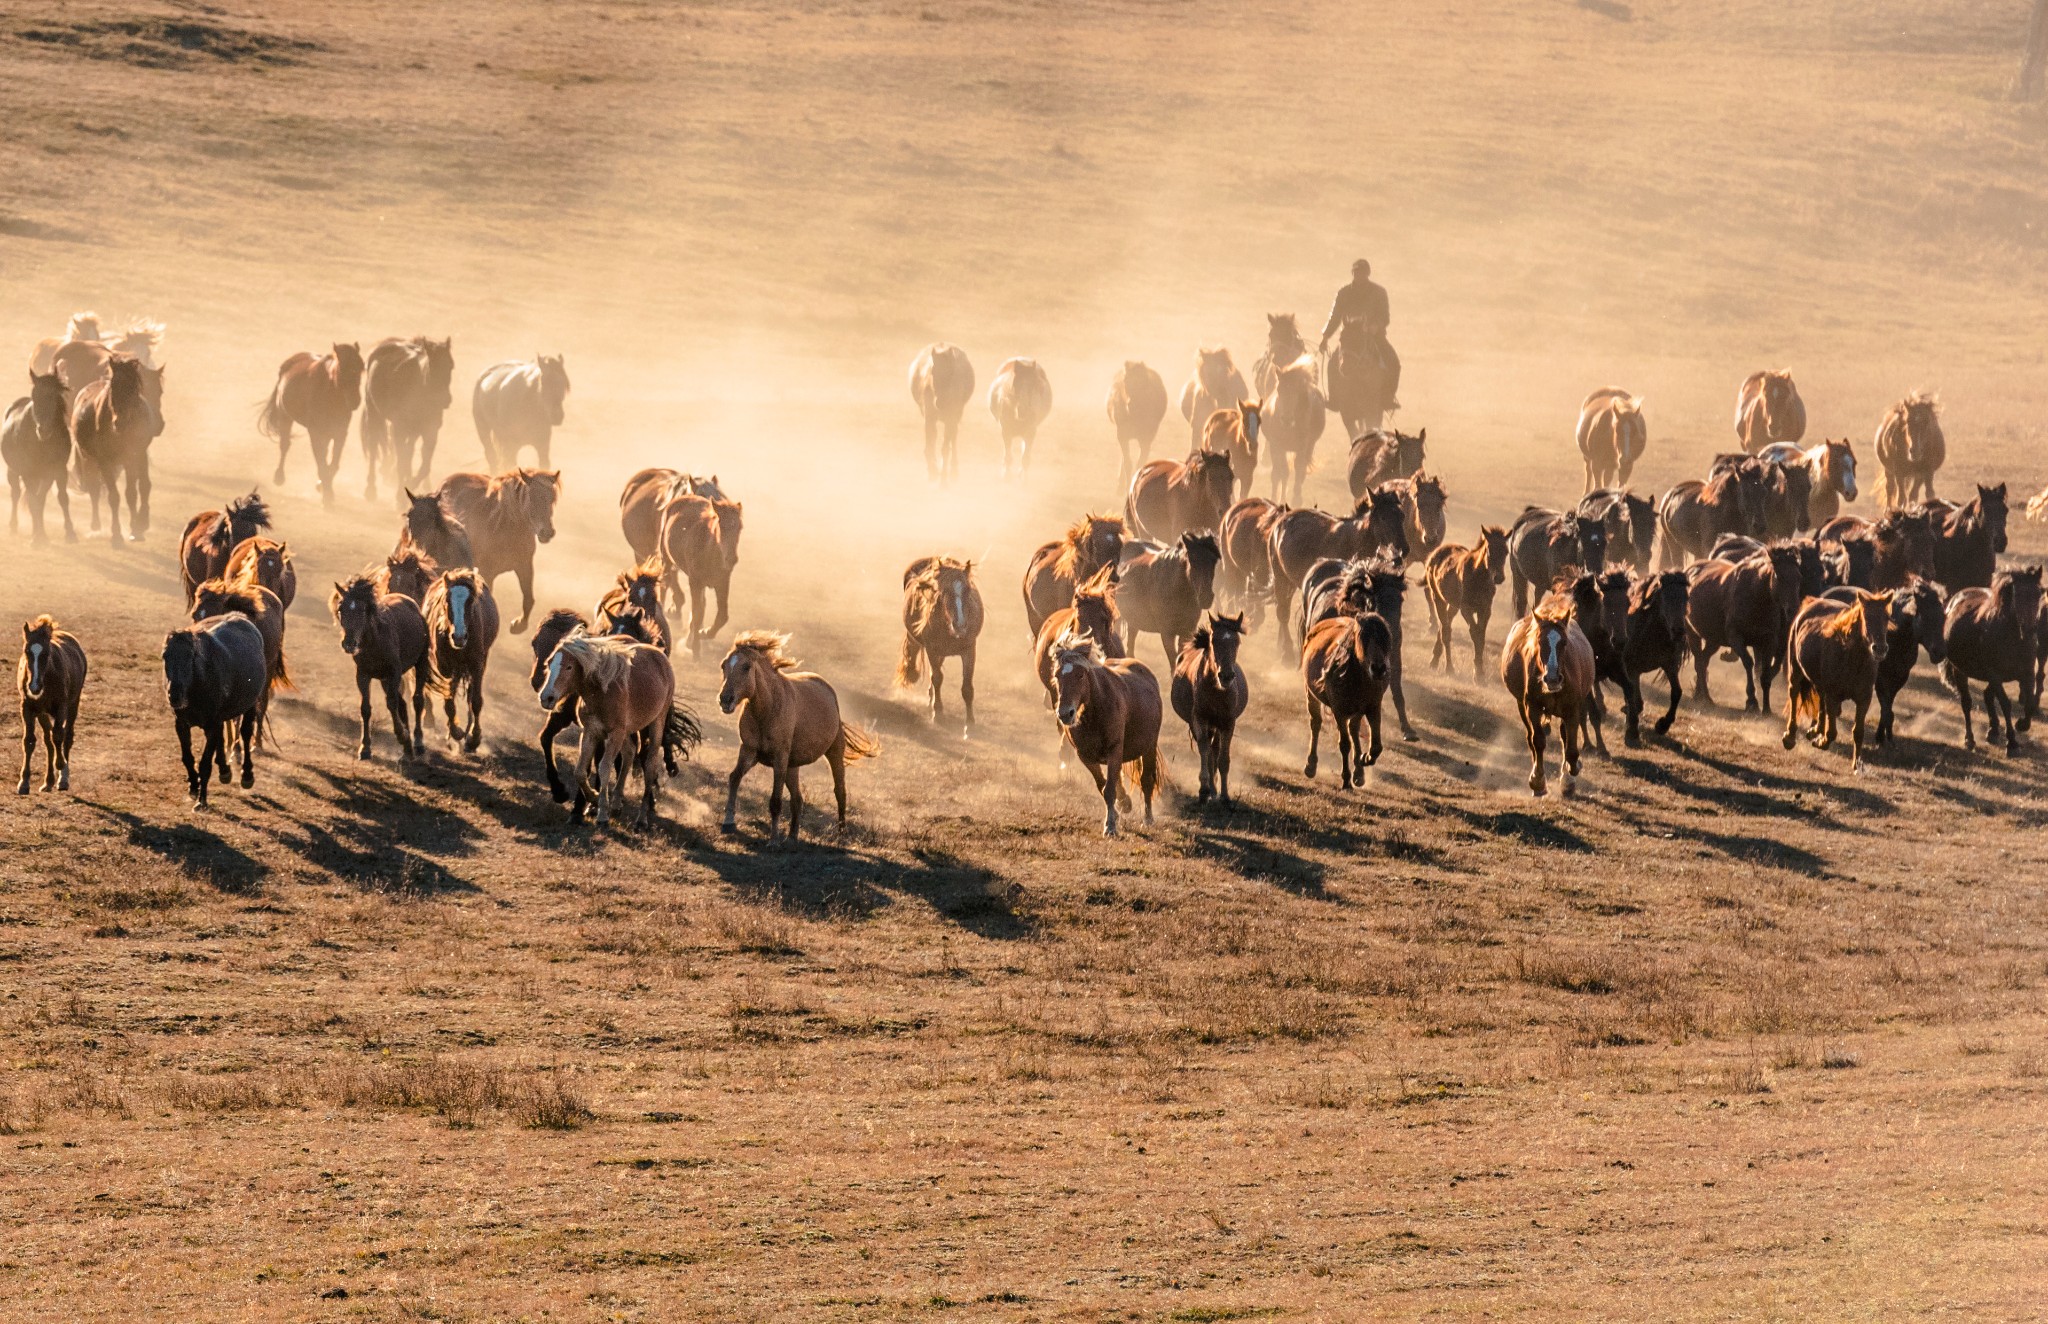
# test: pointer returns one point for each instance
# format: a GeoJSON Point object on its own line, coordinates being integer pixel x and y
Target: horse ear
{"type": "Point", "coordinates": [409, 495]}
{"type": "Point", "coordinates": [1422, 435]}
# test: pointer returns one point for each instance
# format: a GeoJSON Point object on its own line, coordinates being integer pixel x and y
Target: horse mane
{"type": "Point", "coordinates": [1079, 533]}
{"type": "Point", "coordinates": [629, 620]}
{"type": "Point", "coordinates": [1553, 612]}
{"type": "Point", "coordinates": [83, 326]}
{"type": "Point", "coordinates": [561, 621]}
{"type": "Point", "coordinates": [357, 588]}
{"type": "Point", "coordinates": [769, 645]}
{"type": "Point", "coordinates": [652, 568]}
{"type": "Point", "coordinates": [1101, 584]}
{"type": "Point", "coordinates": [1838, 626]}
{"type": "Point", "coordinates": [604, 658]}
{"type": "Point", "coordinates": [1084, 644]}
{"type": "Point", "coordinates": [499, 487]}
{"type": "Point", "coordinates": [43, 622]}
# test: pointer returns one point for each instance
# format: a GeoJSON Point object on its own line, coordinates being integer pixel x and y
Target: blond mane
{"type": "Point", "coordinates": [604, 659]}
{"type": "Point", "coordinates": [769, 645]}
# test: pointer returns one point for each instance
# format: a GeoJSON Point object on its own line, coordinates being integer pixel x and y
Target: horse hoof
{"type": "Point", "coordinates": [64, 782]}
{"type": "Point", "coordinates": [248, 779]}
{"type": "Point", "coordinates": [1409, 736]}
{"type": "Point", "coordinates": [1791, 739]}
{"type": "Point", "coordinates": [729, 829]}
{"type": "Point", "coordinates": [1309, 770]}
{"type": "Point", "coordinates": [23, 788]}
{"type": "Point", "coordinates": [363, 754]}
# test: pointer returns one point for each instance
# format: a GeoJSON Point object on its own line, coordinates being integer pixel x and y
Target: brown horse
{"type": "Point", "coordinates": [1768, 409]}
{"type": "Point", "coordinates": [1903, 543]}
{"type": "Point", "coordinates": [1247, 573]}
{"type": "Point", "coordinates": [505, 517]}
{"type": "Point", "coordinates": [408, 572]}
{"type": "Point", "coordinates": [1968, 538]}
{"type": "Point", "coordinates": [1284, 347]}
{"type": "Point", "coordinates": [1300, 538]}
{"type": "Point", "coordinates": [1295, 415]}
{"type": "Point", "coordinates": [1463, 581]}
{"type": "Point", "coordinates": [215, 678]}
{"type": "Point", "coordinates": [1216, 384]}
{"type": "Point", "coordinates": [35, 444]}
{"type": "Point", "coordinates": [1612, 437]}
{"type": "Point", "coordinates": [1910, 449]}
{"type": "Point", "coordinates": [1110, 710]}
{"type": "Point", "coordinates": [1833, 652]}
{"type": "Point", "coordinates": [1630, 521]}
{"type": "Point", "coordinates": [638, 587]}
{"type": "Point", "coordinates": [1020, 397]}
{"type": "Point", "coordinates": [462, 624]}
{"type": "Point", "coordinates": [50, 678]}
{"type": "Point", "coordinates": [942, 384]}
{"type": "Point", "coordinates": [700, 542]}
{"type": "Point", "coordinates": [1235, 432]}
{"type": "Point", "coordinates": [1375, 584]}
{"type": "Point", "coordinates": [789, 719]}
{"type": "Point", "coordinates": [264, 561]}
{"type": "Point", "coordinates": [387, 636]}
{"type": "Point", "coordinates": [624, 693]}
{"type": "Point", "coordinates": [319, 395]}
{"type": "Point", "coordinates": [1171, 497]}
{"type": "Point", "coordinates": [1831, 474]}
{"type": "Point", "coordinates": [1542, 543]}
{"type": "Point", "coordinates": [516, 405]}
{"type": "Point", "coordinates": [1694, 513]}
{"type": "Point", "coordinates": [211, 537]}
{"type": "Point", "coordinates": [1916, 621]}
{"type": "Point", "coordinates": [218, 597]}
{"type": "Point", "coordinates": [112, 423]}
{"type": "Point", "coordinates": [1209, 694]}
{"type": "Point", "coordinates": [1362, 379]}
{"type": "Point", "coordinates": [1137, 406]}
{"type": "Point", "coordinates": [1991, 635]}
{"type": "Point", "coordinates": [1090, 543]}
{"type": "Point", "coordinates": [1422, 508]}
{"type": "Point", "coordinates": [1653, 636]}
{"type": "Point", "coordinates": [626, 621]}
{"type": "Point", "coordinates": [1547, 665]}
{"type": "Point", "coordinates": [646, 496]}
{"type": "Point", "coordinates": [437, 533]}
{"type": "Point", "coordinates": [408, 385]}
{"type": "Point", "coordinates": [942, 618]}
{"type": "Point", "coordinates": [1165, 590]}
{"type": "Point", "coordinates": [1380, 457]}
{"type": "Point", "coordinates": [1346, 667]}
{"type": "Point", "coordinates": [1745, 607]}
{"type": "Point", "coordinates": [1092, 615]}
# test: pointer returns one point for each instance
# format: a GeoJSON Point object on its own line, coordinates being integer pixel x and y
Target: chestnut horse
{"type": "Point", "coordinates": [1768, 409]}
{"type": "Point", "coordinates": [1422, 506]}
{"type": "Point", "coordinates": [1910, 449]}
{"type": "Point", "coordinates": [1547, 665]}
{"type": "Point", "coordinates": [1247, 571]}
{"type": "Point", "coordinates": [1091, 615]}
{"type": "Point", "coordinates": [113, 420]}
{"type": "Point", "coordinates": [1137, 406]}
{"type": "Point", "coordinates": [1346, 667]}
{"type": "Point", "coordinates": [438, 534]}
{"type": "Point", "coordinates": [1295, 415]}
{"type": "Point", "coordinates": [211, 537]}
{"type": "Point", "coordinates": [624, 693]}
{"type": "Point", "coordinates": [387, 636]}
{"type": "Point", "coordinates": [1374, 584]}
{"type": "Point", "coordinates": [1300, 538]}
{"type": "Point", "coordinates": [1916, 621]}
{"type": "Point", "coordinates": [647, 495]}
{"type": "Point", "coordinates": [789, 719]}
{"type": "Point", "coordinates": [215, 678]}
{"type": "Point", "coordinates": [1110, 710]}
{"type": "Point", "coordinates": [1208, 692]}
{"type": "Point", "coordinates": [516, 405]}
{"type": "Point", "coordinates": [1463, 581]}
{"type": "Point", "coordinates": [1090, 543]}
{"type": "Point", "coordinates": [218, 597]}
{"type": "Point", "coordinates": [319, 395]}
{"type": "Point", "coordinates": [1968, 538]}
{"type": "Point", "coordinates": [264, 561]}
{"type": "Point", "coordinates": [1284, 347]}
{"type": "Point", "coordinates": [1630, 521]}
{"type": "Point", "coordinates": [1170, 497]}
{"type": "Point", "coordinates": [638, 587]}
{"type": "Point", "coordinates": [1903, 543]}
{"type": "Point", "coordinates": [1236, 432]}
{"type": "Point", "coordinates": [1165, 590]}
{"type": "Point", "coordinates": [1612, 437]}
{"type": "Point", "coordinates": [625, 622]}
{"type": "Point", "coordinates": [462, 624]}
{"type": "Point", "coordinates": [700, 542]}
{"type": "Point", "coordinates": [505, 517]}
{"type": "Point", "coordinates": [1992, 639]}
{"type": "Point", "coordinates": [942, 618]}
{"type": "Point", "coordinates": [1694, 513]}
{"type": "Point", "coordinates": [1378, 457]}
{"type": "Point", "coordinates": [50, 679]}
{"type": "Point", "coordinates": [941, 383]}
{"type": "Point", "coordinates": [1020, 397]}
{"type": "Point", "coordinates": [1541, 543]}
{"type": "Point", "coordinates": [1216, 384]}
{"type": "Point", "coordinates": [1833, 653]}
{"type": "Point", "coordinates": [1745, 607]}
{"type": "Point", "coordinates": [35, 444]}
{"type": "Point", "coordinates": [408, 385]}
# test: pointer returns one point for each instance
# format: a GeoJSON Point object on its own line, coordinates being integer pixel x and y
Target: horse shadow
{"type": "Point", "coordinates": [827, 880]}
{"type": "Point", "coordinates": [370, 862]}
{"type": "Point", "coordinates": [196, 851]}
{"type": "Point", "coordinates": [1749, 774]}
{"type": "Point", "coordinates": [1249, 857]}
{"type": "Point", "coordinates": [896, 719]}
{"type": "Point", "coordinates": [367, 820]}
{"type": "Point", "coordinates": [1746, 849]}
{"type": "Point", "coordinates": [1350, 836]}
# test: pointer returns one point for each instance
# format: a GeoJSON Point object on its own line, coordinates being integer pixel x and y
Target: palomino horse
{"type": "Point", "coordinates": [1235, 432]}
{"type": "Point", "coordinates": [1295, 416]}
{"type": "Point", "coordinates": [1422, 510]}
{"type": "Point", "coordinates": [407, 387]}
{"type": "Point", "coordinates": [1831, 471]}
{"type": "Point", "coordinates": [1547, 665]}
{"type": "Point", "coordinates": [1541, 543]}
{"type": "Point", "coordinates": [647, 494]}
{"type": "Point", "coordinates": [462, 624]}
{"type": "Point", "coordinates": [1694, 513]}
{"type": "Point", "coordinates": [505, 518]}
{"type": "Point", "coordinates": [1216, 384]}
{"type": "Point", "coordinates": [1991, 635]}
{"type": "Point", "coordinates": [1171, 497]}
{"type": "Point", "coordinates": [219, 597]}
{"type": "Point", "coordinates": [1284, 346]}
{"type": "Point", "coordinates": [942, 617]}
{"type": "Point", "coordinates": [1968, 538]}
{"type": "Point", "coordinates": [1110, 710]}
{"type": "Point", "coordinates": [1020, 397]}
{"type": "Point", "coordinates": [1379, 457]}
{"type": "Point", "coordinates": [1137, 406]}
{"type": "Point", "coordinates": [1089, 544]}
{"type": "Point", "coordinates": [211, 537]}
{"type": "Point", "coordinates": [1914, 621]}
{"type": "Point", "coordinates": [82, 327]}
{"type": "Point", "coordinates": [1208, 692]}
{"type": "Point", "coordinates": [1768, 410]}
{"type": "Point", "coordinates": [1247, 568]}
{"type": "Point", "coordinates": [1746, 607]}
{"type": "Point", "coordinates": [430, 527]}
{"type": "Point", "coordinates": [50, 679]}
{"type": "Point", "coordinates": [789, 719]}
{"type": "Point", "coordinates": [216, 679]}
{"type": "Point", "coordinates": [640, 588]}
{"type": "Point", "coordinates": [942, 382]}
{"type": "Point", "coordinates": [1832, 653]}
{"type": "Point", "coordinates": [624, 692]}
{"type": "Point", "coordinates": [1300, 538]}
{"type": "Point", "coordinates": [1346, 667]}
{"type": "Point", "coordinates": [1165, 590]}
{"type": "Point", "coordinates": [319, 395]}
{"type": "Point", "coordinates": [1092, 615]}
{"type": "Point", "coordinates": [626, 622]}
{"type": "Point", "coordinates": [113, 420]}
{"type": "Point", "coordinates": [1910, 450]}
{"type": "Point", "coordinates": [35, 443]}
{"type": "Point", "coordinates": [1462, 581]}
{"type": "Point", "coordinates": [1631, 523]}
{"type": "Point", "coordinates": [386, 634]}
{"type": "Point", "coordinates": [516, 405]}
{"type": "Point", "coordinates": [264, 561]}
{"type": "Point", "coordinates": [1362, 378]}
{"type": "Point", "coordinates": [1612, 437]}
{"type": "Point", "coordinates": [700, 542]}
{"type": "Point", "coordinates": [408, 572]}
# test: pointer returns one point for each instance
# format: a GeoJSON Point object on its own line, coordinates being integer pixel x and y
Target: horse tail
{"type": "Point", "coordinates": [271, 419]}
{"type": "Point", "coordinates": [906, 668]}
{"type": "Point", "coordinates": [860, 744]}
{"type": "Point", "coordinates": [680, 731]}
{"type": "Point", "coordinates": [281, 678]}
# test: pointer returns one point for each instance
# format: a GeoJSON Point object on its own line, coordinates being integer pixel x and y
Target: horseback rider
{"type": "Point", "coordinates": [1364, 302]}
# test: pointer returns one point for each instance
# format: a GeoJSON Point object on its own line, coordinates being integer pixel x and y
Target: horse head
{"type": "Point", "coordinates": [124, 380]}
{"type": "Point", "coordinates": [1250, 418]}
{"type": "Point", "coordinates": [1204, 553]}
{"type": "Point", "coordinates": [1615, 589]}
{"type": "Point", "coordinates": [1430, 498]}
{"type": "Point", "coordinates": [1074, 658]}
{"type": "Point", "coordinates": [1670, 596]}
{"type": "Point", "coordinates": [1991, 501]}
{"type": "Point", "coordinates": [1283, 337]}
{"type": "Point", "coordinates": [755, 656]}
{"type": "Point", "coordinates": [1225, 633]}
{"type": "Point", "coordinates": [348, 372]}
{"type": "Point", "coordinates": [1590, 537]}
{"type": "Point", "coordinates": [354, 606]}
{"type": "Point", "coordinates": [952, 581]}
{"type": "Point", "coordinates": [439, 357]}
{"type": "Point", "coordinates": [1496, 539]}
{"type": "Point", "coordinates": [181, 665]}
{"type": "Point", "coordinates": [1551, 625]}
{"type": "Point", "coordinates": [460, 590]}
{"type": "Point", "coordinates": [1839, 461]}
{"type": "Point", "coordinates": [1212, 477]}
{"type": "Point", "coordinates": [548, 636]}
{"type": "Point", "coordinates": [1214, 370]}
{"type": "Point", "coordinates": [38, 638]}
{"type": "Point", "coordinates": [46, 404]}
{"type": "Point", "coordinates": [538, 490]}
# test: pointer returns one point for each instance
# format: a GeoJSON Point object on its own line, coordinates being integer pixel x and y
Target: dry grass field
{"type": "Point", "coordinates": [1733, 1034]}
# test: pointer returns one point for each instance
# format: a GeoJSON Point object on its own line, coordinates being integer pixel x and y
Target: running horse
{"type": "Point", "coordinates": [1020, 397]}
{"type": "Point", "coordinates": [624, 692]}
{"type": "Point", "coordinates": [50, 678]}
{"type": "Point", "coordinates": [219, 597]}
{"type": "Point", "coordinates": [264, 561]}
{"type": "Point", "coordinates": [1833, 654]}
{"type": "Point", "coordinates": [215, 678]}
{"type": "Point", "coordinates": [1209, 693]}
{"type": "Point", "coordinates": [1295, 415]}
{"type": "Point", "coordinates": [407, 388]}
{"type": "Point", "coordinates": [1137, 406]}
{"type": "Point", "coordinates": [647, 494]}
{"type": "Point", "coordinates": [1768, 410]}
{"type": "Point", "coordinates": [211, 537]}
{"type": "Point", "coordinates": [1462, 581]}
{"type": "Point", "coordinates": [1362, 379]}
{"type": "Point", "coordinates": [1216, 384]}
{"type": "Point", "coordinates": [1612, 437]}
{"type": "Point", "coordinates": [1547, 665]}
{"type": "Point", "coordinates": [700, 542]}
{"type": "Point", "coordinates": [941, 384]}
{"type": "Point", "coordinates": [1110, 711]}
{"type": "Point", "coordinates": [1910, 449]}
{"type": "Point", "coordinates": [1089, 545]}
{"type": "Point", "coordinates": [462, 624]}
{"type": "Point", "coordinates": [1172, 497]}
{"type": "Point", "coordinates": [516, 405]}
{"type": "Point", "coordinates": [319, 395]}
{"type": "Point", "coordinates": [506, 517]}
{"type": "Point", "coordinates": [386, 635]}
{"type": "Point", "coordinates": [942, 618]}
{"type": "Point", "coordinates": [438, 534]}
{"type": "Point", "coordinates": [1284, 347]}
{"type": "Point", "coordinates": [112, 424]}
{"type": "Point", "coordinates": [789, 719]}
{"type": "Point", "coordinates": [35, 444]}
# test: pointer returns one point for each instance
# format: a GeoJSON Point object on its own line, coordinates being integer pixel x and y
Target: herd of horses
{"type": "Point", "coordinates": [1754, 560]}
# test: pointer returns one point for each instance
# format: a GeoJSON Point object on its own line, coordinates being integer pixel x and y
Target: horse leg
{"type": "Point", "coordinates": [248, 750]}
{"type": "Point", "coordinates": [1521, 584]}
{"type": "Point", "coordinates": [138, 500]}
{"type": "Point", "coordinates": [1347, 745]}
{"type": "Point", "coordinates": [967, 685]}
{"type": "Point", "coordinates": [718, 594]}
{"type": "Point", "coordinates": [1224, 734]}
{"type": "Point", "coordinates": [779, 777]}
{"type": "Point", "coordinates": [1480, 620]}
{"type": "Point", "coordinates": [559, 720]}
{"type": "Point", "coordinates": [935, 699]}
{"type": "Point", "coordinates": [209, 753]}
{"type": "Point", "coordinates": [57, 755]}
{"type": "Point", "coordinates": [614, 745]}
{"type": "Point", "coordinates": [394, 702]}
{"type": "Point", "coordinates": [222, 748]}
{"type": "Point", "coordinates": [110, 484]}
{"type": "Point", "coordinates": [1107, 776]}
{"type": "Point", "coordinates": [747, 759]}
{"type": "Point", "coordinates": [284, 444]}
{"type": "Point", "coordinates": [525, 573]}
{"type": "Point", "coordinates": [476, 716]}
{"type": "Point", "coordinates": [2012, 738]}
{"type": "Point", "coordinates": [14, 486]}
{"type": "Point", "coordinates": [1856, 734]}
{"type": "Point", "coordinates": [1960, 684]}
{"type": "Point", "coordinates": [796, 800]}
{"type": "Point", "coordinates": [1568, 724]}
{"type": "Point", "coordinates": [1400, 694]}
{"type": "Point", "coordinates": [1315, 736]}
{"type": "Point", "coordinates": [836, 758]}
{"type": "Point", "coordinates": [697, 632]}
{"type": "Point", "coordinates": [1539, 735]}
{"type": "Point", "coordinates": [28, 747]}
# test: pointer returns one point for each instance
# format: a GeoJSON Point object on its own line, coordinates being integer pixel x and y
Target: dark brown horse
{"type": "Point", "coordinates": [408, 385]}
{"type": "Point", "coordinates": [211, 537]}
{"type": "Point", "coordinates": [50, 679]}
{"type": "Point", "coordinates": [1630, 521]}
{"type": "Point", "coordinates": [215, 678]}
{"type": "Point", "coordinates": [430, 527]}
{"type": "Point", "coordinates": [1542, 543]}
{"type": "Point", "coordinates": [647, 494]}
{"type": "Point", "coordinates": [1422, 507]}
{"type": "Point", "coordinates": [626, 622]}
{"type": "Point", "coordinates": [264, 561]}
{"type": "Point", "coordinates": [1902, 543]}
{"type": "Point", "coordinates": [1091, 615]}
{"type": "Point", "coordinates": [1788, 499]}
{"type": "Point", "coordinates": [1916, 622]}
{"type": "Point", "coordinates": [317, 394]}
{"type": "Point", "coordinates": [942, 618]}
{"type": "Point", "coordinates": [1300, 538]}
{"type": "Point", "coordinates": [1462, 581]}
{"type": "Point", "coordinates": [1375, 584]}
{"type": "Point", "coordinates": [1968, 538]}
{"type": "Point", "coordinates": [35, 444]}
{"type": "Point", "coordinates": [387, 636]}
{"type": "Point", "coordinates": [1346, 666]}
{"type": "Point", "coordinates": [1090, 544]}
{"type": "Point", "coordinates": [1694, 513]}
{"type": "Point", "coordinates": [1745, 607]}
{"type": "Point", "coordinates": [1379, 457]}
{"type": "Point", "coordinates": [1165, 590]}
{"type": "Point", "coordinates": [1833, 652]}
{"type": "Point", "coordinates": [1654, 637]}
{"type": "Point", "coordinates": [218, 597]}
{"type": "Point", "coordinates": [1247, 571]}
{"type": "Point", "coordinates": [1209, 694]}
{"type": "Point", "coordinates": [1992, 639]}
{"type": "Point", "coordinates": [505, 518]}
{"type": "Point", "coordinates": [640, 588]}
{"type": "Point", "coordinates": [1547, 665]}
{"type": "Point", "coordinates": [462, 624]}
{"type": "Point", "coordinates": [1110, 710]}
{"type": "Point", "coordinates": [408, 572]}
{"type": "Point", "coordinates": [700, 542]}
{"type": "Point", "coordinates": [1137, 406]}
{"type": "Point", "coordinates": [1171, 497]}
{"type": "Point", "coordinates": [1588, 600]}
{"type": "Point", "coordinates": [112, 423]}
